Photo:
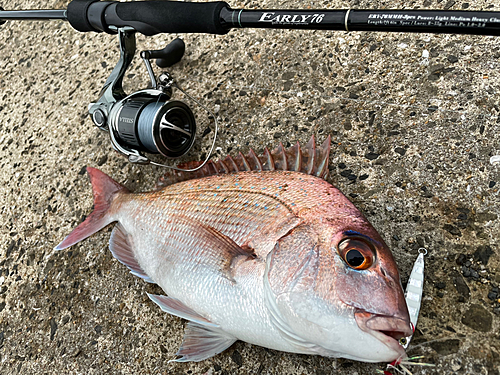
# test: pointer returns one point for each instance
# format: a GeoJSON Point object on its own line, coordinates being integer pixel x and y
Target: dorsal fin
{"type": "Point", "coordinates": [308, 159]}
{"type": "Point", "coordinates": [279, 156]}
{"type": "Point", "coordinates": [309, 156]}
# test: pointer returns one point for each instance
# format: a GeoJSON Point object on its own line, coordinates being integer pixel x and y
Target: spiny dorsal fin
{"type": "Point", "coordinates": [309, 156]}
{"type": "Point", "coordinates": [308, 159]}
{"type": "Point", "coordinates": [279, 156]}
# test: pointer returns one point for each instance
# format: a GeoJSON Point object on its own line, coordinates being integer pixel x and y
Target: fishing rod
{"type": "Point", "coordinates": [154, 17]}
{"type": "Point", "coordinates": [149, 121]}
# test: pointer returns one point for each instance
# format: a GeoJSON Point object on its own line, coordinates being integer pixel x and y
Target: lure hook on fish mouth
{"type": "Point", "coordinates": [387, 329]}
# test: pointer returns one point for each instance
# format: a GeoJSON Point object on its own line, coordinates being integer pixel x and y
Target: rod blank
{"type": "Point", "coordinates": [421, 21]}
{"type": "Point", "coordinates": [39, 14]}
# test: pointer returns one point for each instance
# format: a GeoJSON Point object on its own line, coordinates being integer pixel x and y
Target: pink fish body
{"type": "Point", "coordinates": [276, 258]}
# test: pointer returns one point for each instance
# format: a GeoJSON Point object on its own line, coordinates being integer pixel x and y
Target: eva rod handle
{"type": "Point", "coordinates": [147, 17]}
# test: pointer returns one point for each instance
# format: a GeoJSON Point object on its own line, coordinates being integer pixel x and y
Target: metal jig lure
{"type": "Point", "coordinates": [413, 293]}
{"type": "Point", "coordinates": [413, 297]}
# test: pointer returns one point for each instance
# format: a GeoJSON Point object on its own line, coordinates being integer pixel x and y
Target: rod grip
{"type": "Point", "coordinates": [154, 17]}
{"type": "Point", "coordinates": [147, 17]}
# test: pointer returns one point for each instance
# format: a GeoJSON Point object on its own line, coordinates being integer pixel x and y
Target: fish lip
{"type": "Point", "coordinates": [387, 329]}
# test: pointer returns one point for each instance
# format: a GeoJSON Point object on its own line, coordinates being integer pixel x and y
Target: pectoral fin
{"type": "Point", "coordinates": [199, 245]}
{"type": "Point", "coordinates": [202, 342]}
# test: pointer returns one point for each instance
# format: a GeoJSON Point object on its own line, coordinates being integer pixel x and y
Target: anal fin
{"type": "Point", "coordinates": [202, 342]}
{"type": "Point", "coordinates": [121, 247]}
{"type": "Point", "coordinates": [175, 307]}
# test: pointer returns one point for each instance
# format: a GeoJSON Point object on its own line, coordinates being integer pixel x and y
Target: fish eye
{"type": "Point", "coordinates": [357, 253]}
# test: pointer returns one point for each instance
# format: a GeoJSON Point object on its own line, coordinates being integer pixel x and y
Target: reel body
{"type": "Point", "coordinates": [147, 121]}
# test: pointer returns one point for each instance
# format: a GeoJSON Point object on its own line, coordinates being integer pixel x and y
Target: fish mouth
{"type": "Point", "coordinates": [387, 329]}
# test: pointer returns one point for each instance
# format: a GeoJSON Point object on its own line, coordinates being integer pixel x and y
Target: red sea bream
{"type": "Point", "coordinates": [260, 249]}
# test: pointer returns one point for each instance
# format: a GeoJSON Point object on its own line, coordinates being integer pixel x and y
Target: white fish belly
{"type": "Point", "coordinates": [233, 300]}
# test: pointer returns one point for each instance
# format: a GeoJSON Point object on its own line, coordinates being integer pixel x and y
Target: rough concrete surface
{"type": "Point", "coordinates": [414, 120]}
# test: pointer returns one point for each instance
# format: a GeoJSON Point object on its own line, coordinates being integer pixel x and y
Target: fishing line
{"type": "Point", "coordinates": [144, 124]}
{"type": "Point", "coordinates": [216, 126]}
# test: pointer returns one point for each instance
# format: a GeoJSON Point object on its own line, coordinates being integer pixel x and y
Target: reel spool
{"type": "Point", "coordinates": [155, 126]}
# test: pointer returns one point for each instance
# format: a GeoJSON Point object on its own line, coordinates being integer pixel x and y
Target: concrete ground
{"type": "Point", "coordinates": [414, 120]}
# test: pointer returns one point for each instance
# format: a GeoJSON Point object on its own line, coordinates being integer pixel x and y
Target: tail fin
{"type": "Point", "coordinates": [104, 189]}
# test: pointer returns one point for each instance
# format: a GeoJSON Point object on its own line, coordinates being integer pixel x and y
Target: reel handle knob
{"type": "Point", "coordinates": [169, 55]}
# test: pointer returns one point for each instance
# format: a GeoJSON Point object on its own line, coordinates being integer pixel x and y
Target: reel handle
{"type": "Point", "coordinates": [169, 55]}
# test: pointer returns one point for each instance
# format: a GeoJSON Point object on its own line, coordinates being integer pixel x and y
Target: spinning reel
{"type": "Point", "coordinates": [147, 121]}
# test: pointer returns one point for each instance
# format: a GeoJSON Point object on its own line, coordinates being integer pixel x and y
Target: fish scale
{"type": "Point", "coordinates": [249, 250]}
{"type": "Point", "coordinates": [238, 213]}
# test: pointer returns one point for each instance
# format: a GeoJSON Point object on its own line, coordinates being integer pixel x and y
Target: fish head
{"type": "Point", "coordinates": [367, 283]}
{"type": "Point", "coordinates": [338, 293]}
